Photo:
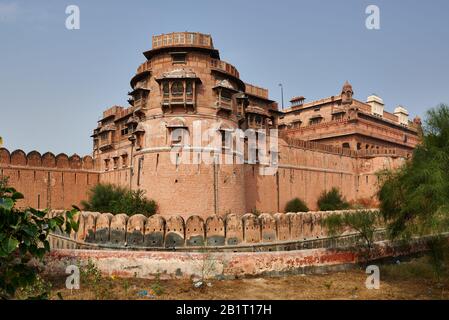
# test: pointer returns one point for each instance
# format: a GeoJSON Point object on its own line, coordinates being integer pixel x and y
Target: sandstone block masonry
{"type": "Point", "coordinates": [49, 181]}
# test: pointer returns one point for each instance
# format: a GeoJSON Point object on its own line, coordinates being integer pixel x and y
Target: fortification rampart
{"type": "Point", "coordinates": [267, 232]}
{"type": "Point", "coordinates": [305, 170]}
{"type": "Point", "coordinates": [48, 180]}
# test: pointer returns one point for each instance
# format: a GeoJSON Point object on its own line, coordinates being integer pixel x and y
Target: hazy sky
{"type": "Point", "coordinates": [55, 83]}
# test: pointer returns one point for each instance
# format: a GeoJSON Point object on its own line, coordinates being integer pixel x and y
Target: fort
{"type": "Point", "coordinates": [336, 141]}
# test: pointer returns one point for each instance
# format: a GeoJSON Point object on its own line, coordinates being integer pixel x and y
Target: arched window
{"type": "Point", "coordinates": [166, 89]}
{"type": "Point", "coordinates": [177, 88]}
{"type": "Point", "coordinates": [189, 88]}
{"type": "Point", "coordinates": [346, 145]}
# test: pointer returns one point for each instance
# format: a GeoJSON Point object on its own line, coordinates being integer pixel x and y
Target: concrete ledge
{"type": "Point", "coordinates": [225, 265]}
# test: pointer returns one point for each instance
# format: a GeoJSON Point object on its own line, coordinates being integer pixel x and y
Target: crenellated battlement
{"type": "Point", "coordinates": [18, 158]}
{"type": "Point", "coordinates": [48, 180]}
{"type": "Point", "coordinates": [119, 231]}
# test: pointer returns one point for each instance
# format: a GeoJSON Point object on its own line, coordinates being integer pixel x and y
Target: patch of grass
{"type": "Point", "coordinates": [157, 288]}
{"type": "Point", "coordinates": [90, 276]}
{"type": "Point", "coordinates": [417, 268]}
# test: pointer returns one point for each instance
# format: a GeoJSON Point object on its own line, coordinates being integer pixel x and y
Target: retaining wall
{"type": "Point", "coordinates": [222, 265]}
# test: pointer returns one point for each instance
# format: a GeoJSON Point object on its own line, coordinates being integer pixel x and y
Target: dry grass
{"type": "Point", "coordinates": [408, 280]}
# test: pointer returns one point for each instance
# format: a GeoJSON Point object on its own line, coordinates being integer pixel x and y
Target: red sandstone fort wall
{"type": "Point", "coordinates": [305, 170]}
{"type": "Point", "coordinates": [48, 181]}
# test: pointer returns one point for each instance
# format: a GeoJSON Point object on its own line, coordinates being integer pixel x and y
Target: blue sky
{"type": "Point", "coordinates": [54, 83]}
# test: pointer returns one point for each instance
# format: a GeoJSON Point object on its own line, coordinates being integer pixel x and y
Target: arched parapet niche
{"type": "Point", "coordinates": [62, 161]}
{"type": "Point", "coordinates": [34, 159]}
{"type": "Point", "coordinates": [18, 158]}
{"type": "Point", "coordinates": [5, 156]}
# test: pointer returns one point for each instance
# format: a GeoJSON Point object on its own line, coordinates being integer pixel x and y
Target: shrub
{"type": "Point", "coordinates": [116, 199]}
{"type": "Point", "coordinates": [296, 205]}
{"type": "Point", "coordinates": [361, 221]}
{"type": "Point", "coordinates": [332, 200]}
{"type": "Point", "coordinates": [23, 236]}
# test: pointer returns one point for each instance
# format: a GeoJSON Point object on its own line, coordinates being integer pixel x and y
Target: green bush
{"type": "Point", "coordinates": [361, 221]}
{"type": "Point", "coordinates": [296, 205]}
{"type": "Point", "coordinates": [23, 237]}
{"type": "Point", "coordinates": [332, 200]}
{"type": "Point", "coordinates": [116, 199]}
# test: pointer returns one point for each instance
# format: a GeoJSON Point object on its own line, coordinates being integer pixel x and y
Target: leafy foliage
{"type": "Point", "coordinates": [116, 199]}
{"type": "Point", "coordinates": [415, 198]}
{"type": "Point", "coordinates": [296, 205]}
{"type": "Point", "coordinates": [23, 236]}
{"type": "Point", "coordinates": [362, 221]}
{"type": "Point", "coordinates": [332, 200]}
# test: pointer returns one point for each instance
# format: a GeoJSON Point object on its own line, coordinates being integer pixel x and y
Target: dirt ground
{"type": "Point", "coordinates": [407, 280]}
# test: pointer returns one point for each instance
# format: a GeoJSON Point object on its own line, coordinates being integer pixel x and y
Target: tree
{"type": "Point", "coordinates": [415, 199]}
{"type": "Point", "coordinates": [332, 200]}
{"type": "Point", "coordinates": [362, 221]}
{"type": "Point", "coordinates": [296, 205]}
{"type": "Point", "coordinates": [116, 199]}
{"type": "Point", "coordinates": [24, 236]}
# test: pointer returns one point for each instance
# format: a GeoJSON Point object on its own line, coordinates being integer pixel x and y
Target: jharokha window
{"type": "Point", "coordinates": [224, 99]}
{"type": "Point", "coordinates": [178, 93]}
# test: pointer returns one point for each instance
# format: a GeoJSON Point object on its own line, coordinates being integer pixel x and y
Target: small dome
{"type": "Point", "coordinates": [347, 87]}
{"type": "Point", "coordinates": [417, 121]}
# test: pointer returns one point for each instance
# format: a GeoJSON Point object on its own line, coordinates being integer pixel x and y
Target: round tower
{"type": "Point", "coordinates": [181, 95]}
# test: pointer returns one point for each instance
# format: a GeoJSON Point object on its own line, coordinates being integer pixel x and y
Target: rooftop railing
{"type": "Point", "coordinates": [146, 66]}
{"type": "Point", "coordinates": [256, 91]}
{"type": "Point", "coordinates": [183, 38]}
{"type": "Point", "coordinates": [224, 66]}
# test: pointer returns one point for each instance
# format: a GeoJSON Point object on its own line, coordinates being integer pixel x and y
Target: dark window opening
{"type": "Point", "coordinates": [189, 88]}
{"type": "Point", "coordinates": [178, 57]}
{"type": "Point", "coordinates": [177, 88]}
{"type": "Point", "coordinates": [166, 89]}
{"type": "Point", "coordinates": [226, 95]}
